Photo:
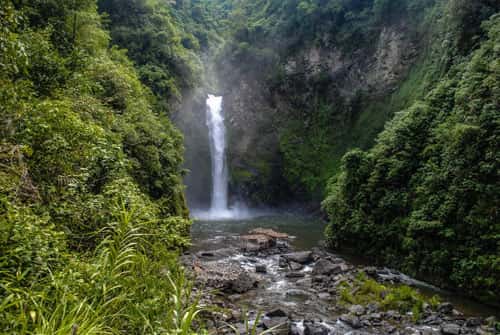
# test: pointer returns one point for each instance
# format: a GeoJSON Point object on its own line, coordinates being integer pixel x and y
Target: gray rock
{"type": "Point", "coordinates": [282, 325]}
{"type": "Point", "coordinates": [242, 284]}
{"type": "Point", "coordinates": [315, 328]}
{"type": "Point", "coordinates": [297, 293]}
{"type": "Point", "coordinates": [432, 320]}
{"type": "Point", "coordinates": [445, 308]}
{"type": "Point", "coordinates": [351, 320]}
{"type": "Point", "coordinates": [294, 266]}
{"type": "Point", "coordinates": [357, 310]}
{"type": "Point", "coordinates": [373, 307]}
{"type": "Point", "coordinates": [429, 331]}
{"type": "Point", "coordinates": [375, 316]}
{"type": "Point", "coordinates": [282, 263]}
{"type": "Point", "coordinates": [450, 329]}
{"type": "Point", "coordinates": [319, 279]}
{"type": "Point", "coordinates": [473, 322]}
{"type": "Point", "coordinates": [295, 275]}
{"type": "Point", "coordinates": [304, 282]}
{"type": "Point", "coordinates": [276, 313]}
{"type": "Point", "coordinates": [299, 257]}
{"type": "Point", "coordinates": [260, 268]}
{"type": "Point", "coordinates": [393, 315]}
{"type": "Point", "coordinates": [327, 268]}
{"type": "Point", "coordinates": [324, 296]}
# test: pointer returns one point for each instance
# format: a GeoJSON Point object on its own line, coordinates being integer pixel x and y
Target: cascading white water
{"type": "Point", "coordinates": [217, 137]}
{"type": "Point", "coordinates": [219, 208]}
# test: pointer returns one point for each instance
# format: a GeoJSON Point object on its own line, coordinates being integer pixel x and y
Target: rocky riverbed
{"type": "Point", "coordinates": [258, 277]}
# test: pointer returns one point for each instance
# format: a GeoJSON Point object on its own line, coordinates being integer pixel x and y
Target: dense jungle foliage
{"type": "Point", "coordinates": [425, 197]}
{"type": "Point", "coordinates": [92, 206]}
{"type": "Point", "coordinates": [92, 209]}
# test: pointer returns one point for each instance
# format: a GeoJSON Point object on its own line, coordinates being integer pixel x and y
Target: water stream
{"type": "Point", "coordinates": [306, 233]}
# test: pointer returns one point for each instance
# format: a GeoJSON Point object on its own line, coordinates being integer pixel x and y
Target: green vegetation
{"type": "Point", "coordinates": [424, 198]}
{"type": "Point", "coordinates": [402, 298]}
{"type": "Point", "coordinates": [165, 54]}
{"type": "Point", "coordinates": [92, 206]}
{"type": "Point", "coordinates": [92, 209]}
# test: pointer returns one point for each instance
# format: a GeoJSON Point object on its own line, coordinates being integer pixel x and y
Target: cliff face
{"type": "Point", "coordinates": [310, 98]}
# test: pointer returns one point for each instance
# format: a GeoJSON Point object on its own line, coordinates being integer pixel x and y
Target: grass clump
{"type": "Point", "coordinates": [402, 298]}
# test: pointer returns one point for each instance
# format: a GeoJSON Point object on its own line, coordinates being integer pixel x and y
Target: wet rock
{"type": "Point", "coordinates": [393, 315]}
{"type": "Point", "coordinates": [357, 310]}
{"type": "Point", "coordinates": [375, 316]}
{"type": "Point", "coordinates": [257, 242]}
{"type": "Point", "coordinates": [445, 308]}
{"type": "Point", "coordinates": [324, 296]}
{"type": "Point", "coordinates": [242, 284]}
{"type": "Point", "coordinates": [294, 266]}
{"type": "Point", "coordinates": [372, 307]}
{"type": "Point", "coordinates": [260, 268]}
{"type": "Point", "coordinates": [432, 320]}
{"type": "Point", "coordinates": [307, 282]}
{"type": "Point", "coordinates": [319, 279]}
{"type": "Point", "coordinates": [429, 331]}
{"type": "Point", "coordinates": [315, 328]}
{"type": "Point", "coordinates": [276, 313]}
{"type": "Point", "coordinates": [304, 257]}
{"type": "Point", "coordinates": [473, 322]}
{"type": "Point", "coordinates": [297, 293]}
{"type": "Point", "coordinates": [280, 325]}
{"type": "Point", "coordinates": [295, 275]}
{"type": "Point", "coordinates": [351, 320]}
{"type": "Point", "coordinates": [269, 232]}
{"type": "Point", "coordinates": [282, 263]}
{"type": "Point", "coordinates": [326, 268]}
{"type": "Point", "coordinates": [450, 329]}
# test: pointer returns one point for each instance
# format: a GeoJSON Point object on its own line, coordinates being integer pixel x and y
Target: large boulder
{"type": "Point", "coordinates": [450, 329]}
{"type": "Point", "coordinates": [257, 242]}
{"type": "Point", "coordinates": [315, 328]}
{"type": "Point", "coordinates": [227, 276]}
{"type": "Point", "coordinates": [243, 283]}
{"type": "Point", "coordinates": [269, 232]}
{"type": "Point", "coordinates": [326, 268]}
{"type": "Point", "coordinates": [303, 257]}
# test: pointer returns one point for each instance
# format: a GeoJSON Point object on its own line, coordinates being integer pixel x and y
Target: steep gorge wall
{"type": "Point", "coordinates": [292, 121]}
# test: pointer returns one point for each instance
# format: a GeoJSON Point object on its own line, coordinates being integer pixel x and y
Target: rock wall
{"type": "Point", "coordinates": [259, 105]}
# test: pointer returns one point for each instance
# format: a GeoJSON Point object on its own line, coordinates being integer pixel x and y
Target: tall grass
{"type": "Point", "coordinates": [127, 285]}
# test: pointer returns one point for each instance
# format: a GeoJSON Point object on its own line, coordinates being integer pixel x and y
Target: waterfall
{"type": "Point", "coordinates": [217, 138]}
{"type": "Point", "coordinates": [219, 207]}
